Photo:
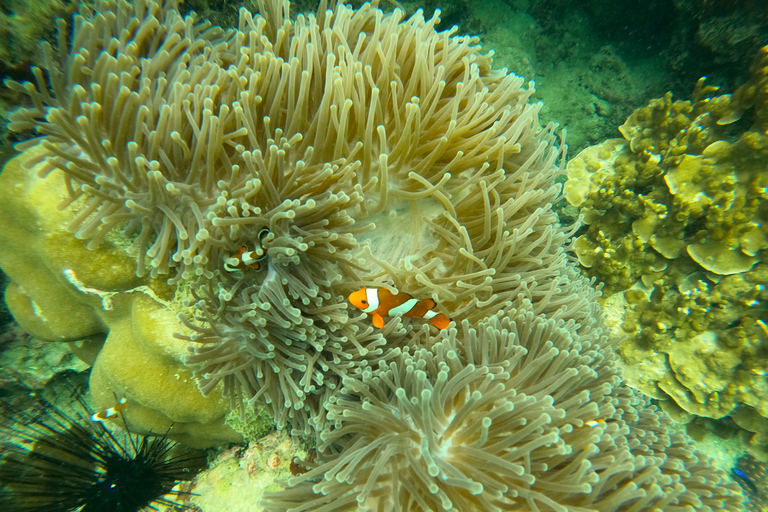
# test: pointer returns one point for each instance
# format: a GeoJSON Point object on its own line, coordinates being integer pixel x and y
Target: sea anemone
{"type": "Point", "coordinates": [371, 148]}
{"type": "Point", "coordinates": [436, 182]}
{"type": "Point", "coordinates": [56, 461]}
{"type": "Point", "coordinates": [507, 415]}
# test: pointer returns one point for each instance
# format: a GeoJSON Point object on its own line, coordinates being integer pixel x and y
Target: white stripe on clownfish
{"type": "Point", "coordinates": [111, 412]}
{"type": "Point", "coordinates": [380, 303]}
{"type": "Point", "coordinates": [245, 258]}
{"type": "Point", "coordinates": [372, 297]}
{"type": "Point", "coordinates": [403, 308]}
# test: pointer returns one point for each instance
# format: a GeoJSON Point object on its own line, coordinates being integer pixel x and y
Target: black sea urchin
{"type": "Point", "coordinates": [55, 461]}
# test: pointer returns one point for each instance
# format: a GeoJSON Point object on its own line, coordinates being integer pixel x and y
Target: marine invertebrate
{"type": "Point", "coordinates": [281, 337]}
{"type": "Point", "coordinates": [432, 133]}
{"type": "Point", "coordinates": [479, 225]}
{"type": "Point", "coordinates": [376, 152]}
{"type": "Point", "coordinates": [677, 222]}
{"type": "Point", "coordinates": [120, 180]}
{"type": "Point", "coordinates": [511, 413]}
{"type": "Point", "coordinates": [63, 461]}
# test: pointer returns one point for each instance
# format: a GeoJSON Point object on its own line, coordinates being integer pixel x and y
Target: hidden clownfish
{"type": "Point", "coordinates": [380, 302]}
{"type": "Point", "coordinates": [244, 258]}
{"type": "Point", "coordinates": [110, 413]}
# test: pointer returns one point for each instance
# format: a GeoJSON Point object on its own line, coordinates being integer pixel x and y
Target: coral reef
{"type": "Point", "coordinates": [238, 476]}
{"type": "Point", "coordinates": [686, 38]}
{"type": "Point", "coordinates": [719, 36]}
{"type": "Point", "coordinates": [342, 149]}
{"type": "Point", "coordinates": [676, 214]}
{"type": "Point", "coordinates": [584, 77]}
{"type": "Point", "coordinates": [23, 24]}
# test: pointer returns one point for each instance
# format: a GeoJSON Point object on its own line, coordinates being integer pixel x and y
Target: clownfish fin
{"type": "Point", "coordinates": [378, 320]}
{"type": "Point", "coordinates": [440, 321]}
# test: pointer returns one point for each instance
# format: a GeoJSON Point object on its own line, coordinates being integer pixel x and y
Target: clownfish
{"type": "Point", "coordinates": [380, 302]}
{"type": "Point", "coordinates": [108, 414]}
{"type": "Point", "coordinates": [244, 258]}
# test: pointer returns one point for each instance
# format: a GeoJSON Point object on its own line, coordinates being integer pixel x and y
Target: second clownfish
{"type": "Point", "coordinates": [247, 259]}
{"type": "Point", "coordinates": [380, 303]}
{"type": "Point", "coordinates": [243, 258]}
{"type": "Point", "coordinates": [110, 413]}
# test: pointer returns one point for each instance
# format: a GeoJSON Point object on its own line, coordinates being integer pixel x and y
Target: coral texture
{"type": "Point", "coordinates": [753, 477]}
{"type": "Point", "coordinates": [677, 221]}
{"type": "Point", "coordinates": [345, 149]}
{"type": "Point", "coordinates": [93, 301]}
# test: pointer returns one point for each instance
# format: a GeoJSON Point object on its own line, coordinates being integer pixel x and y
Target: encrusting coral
{"type": "Point", "coordinates": [677, 221]}
{"type": "Point", "coordinates": [334, 151]}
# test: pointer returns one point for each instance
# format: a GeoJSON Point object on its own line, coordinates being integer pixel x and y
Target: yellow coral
{"type": "Point", "coordinates": [686, 197]}
{"type": "Point", "coordinates": [121, 324]}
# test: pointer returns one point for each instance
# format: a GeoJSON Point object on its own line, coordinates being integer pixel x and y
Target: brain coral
{"type": "Point", "coordinates": [345, 149]}
{"type": "Point", "coordinates": [677, 220]}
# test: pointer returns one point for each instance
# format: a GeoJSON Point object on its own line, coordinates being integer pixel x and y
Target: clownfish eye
{"type": "Point", "coordinates": [364, 302]}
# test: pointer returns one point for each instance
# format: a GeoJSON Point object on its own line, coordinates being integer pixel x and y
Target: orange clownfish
{"type": "Point", "coordinates": [111, 413]}
{"type": "Point", "coordinates": [245, 258]}
{"type": "Point", "coordinates": [380, 302]}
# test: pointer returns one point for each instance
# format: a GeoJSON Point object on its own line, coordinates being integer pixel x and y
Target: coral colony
{"type": "Point", "coordinates": [677, 223]}
{"type": "Point", "coordinates": [345, 150]}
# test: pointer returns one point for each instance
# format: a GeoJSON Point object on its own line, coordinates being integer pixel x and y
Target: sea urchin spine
{"type": "Point", "coordinates": [54, 461]}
